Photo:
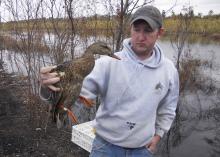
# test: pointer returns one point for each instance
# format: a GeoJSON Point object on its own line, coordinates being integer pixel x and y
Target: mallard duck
{"type": "Point", "coordinates": [72, 74]}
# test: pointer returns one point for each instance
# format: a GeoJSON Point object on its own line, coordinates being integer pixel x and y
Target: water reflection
{"type": "Point", "coordinates": [196, 132]}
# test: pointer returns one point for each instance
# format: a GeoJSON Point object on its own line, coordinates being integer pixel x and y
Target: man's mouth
{"type": "Point", "coordinates": [141, 44]}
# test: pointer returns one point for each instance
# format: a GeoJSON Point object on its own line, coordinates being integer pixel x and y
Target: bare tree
{"type": "Point", "coordinates": [27, 41]}
{"type": "Point", "coordinates": [25, 30]}
{"type": "Point", "coordinates": [70, 12]}
{"type": "Point", "coordinates": [182, 32]}
{"type": "Point", "coordinates": [56, 31]}
{"type": "Point", "coordinates": [211, 12]}
{"type": "Point", "coordinates": [185, 66]}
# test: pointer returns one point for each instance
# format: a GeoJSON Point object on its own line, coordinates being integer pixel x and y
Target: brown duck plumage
{"type": "Point", "coordinates": [72, 74]}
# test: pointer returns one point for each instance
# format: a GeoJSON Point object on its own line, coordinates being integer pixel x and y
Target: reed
{"type": "Point", "coordinates": [9, 43]}
{"type": "Point", "coordinates": [198, 25]}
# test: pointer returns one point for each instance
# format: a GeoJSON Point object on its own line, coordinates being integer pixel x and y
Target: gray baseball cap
{"type": "Point", "coordinates": [150, 14]}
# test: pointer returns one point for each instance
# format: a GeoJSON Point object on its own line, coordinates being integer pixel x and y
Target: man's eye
{"type": "Point", "coordinates": [148, 30]}
{"type": "Point", "coordinates": [136, 30]}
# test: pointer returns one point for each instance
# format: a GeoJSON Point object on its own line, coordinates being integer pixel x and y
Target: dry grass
{"type": "Point", "coordinates": [188, 73]}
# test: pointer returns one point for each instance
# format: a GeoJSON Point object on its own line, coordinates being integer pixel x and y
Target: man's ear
{"type": "Point", "coordinates": [161, 32]}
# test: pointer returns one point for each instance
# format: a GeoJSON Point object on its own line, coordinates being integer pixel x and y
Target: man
{"type": "Point", "coordinates": [139, 93]}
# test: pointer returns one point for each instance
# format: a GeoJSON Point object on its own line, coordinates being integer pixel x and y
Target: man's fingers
{"type": "Point", "coordinates": [150, 148]}
{"type": "Point", "coordinates": [48, 79]}
{"type": "Point", "coordinates": [148, 145]}
{"type": "Point", "coordinates": [53, 88]}
{"type": "Point", "coordinates": [47, 69]}
{"type": "Point", "coordinates": [51, 81]}
{"type": "Point", "coordinates": [48, 75]}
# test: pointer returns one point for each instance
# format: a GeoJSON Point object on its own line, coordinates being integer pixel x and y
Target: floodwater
{"type": "Point", "coordinates": [198, 134]}
{"type": "Point", "coordinates": [210, 52]}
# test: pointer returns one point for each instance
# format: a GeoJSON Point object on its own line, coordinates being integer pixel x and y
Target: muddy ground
{"type": "Point", "coordinates": [22, 134]}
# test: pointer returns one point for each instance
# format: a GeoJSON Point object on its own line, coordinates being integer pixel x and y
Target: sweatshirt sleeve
{"type": "Point", "coordinates": [167, 108]}
{"type": "Point", "coordinates": [95, 82]}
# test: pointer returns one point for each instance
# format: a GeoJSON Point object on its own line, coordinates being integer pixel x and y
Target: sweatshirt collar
{"type": "Point", "coordinates": [153, 61]}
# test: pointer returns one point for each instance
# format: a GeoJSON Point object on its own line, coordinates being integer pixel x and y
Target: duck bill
{"type": "Point", "coordinates": [114, 56]}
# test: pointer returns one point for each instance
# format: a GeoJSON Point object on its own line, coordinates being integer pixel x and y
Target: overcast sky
{"type": "Point", "coordinates": [199, 6]}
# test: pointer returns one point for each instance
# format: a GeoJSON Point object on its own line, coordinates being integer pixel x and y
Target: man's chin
{"type": "Point", "coordinates": [141, 50]}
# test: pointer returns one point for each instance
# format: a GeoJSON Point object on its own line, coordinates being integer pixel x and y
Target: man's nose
{"type": "Point", "coordinates": [142, 36]}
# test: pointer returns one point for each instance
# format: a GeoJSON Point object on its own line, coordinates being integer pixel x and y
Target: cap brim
{"type": "Point", "coordinates": [151, 22]}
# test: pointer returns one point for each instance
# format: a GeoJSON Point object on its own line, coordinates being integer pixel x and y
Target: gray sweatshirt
{"type": "Point", "coordinates": [138, 98]}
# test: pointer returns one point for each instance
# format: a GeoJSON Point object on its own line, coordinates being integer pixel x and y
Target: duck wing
{"type": "Point", "coordinates": [72, 74]}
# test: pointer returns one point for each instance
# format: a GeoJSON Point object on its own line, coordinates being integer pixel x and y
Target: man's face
{"type": "Point", "coordinates": [143, 38]}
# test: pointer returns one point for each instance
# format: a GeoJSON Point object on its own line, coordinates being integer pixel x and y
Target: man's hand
{"type": "Point", "coordinates": [153, 143]}
{"type": "Point", "coordinates": [47, 79]}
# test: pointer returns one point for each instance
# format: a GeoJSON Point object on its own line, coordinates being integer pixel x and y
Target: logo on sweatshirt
{"type": "Point", "coordinates": [130, 125]}
{"type": "Point", "coordinates": [158, 88]}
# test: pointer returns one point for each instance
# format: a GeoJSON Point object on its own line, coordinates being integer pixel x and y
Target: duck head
{"type": "Point", "coordinates": [101, 48]}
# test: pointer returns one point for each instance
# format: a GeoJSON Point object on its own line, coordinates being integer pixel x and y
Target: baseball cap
{"type": "Point", "coordinates": [150, 14]}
